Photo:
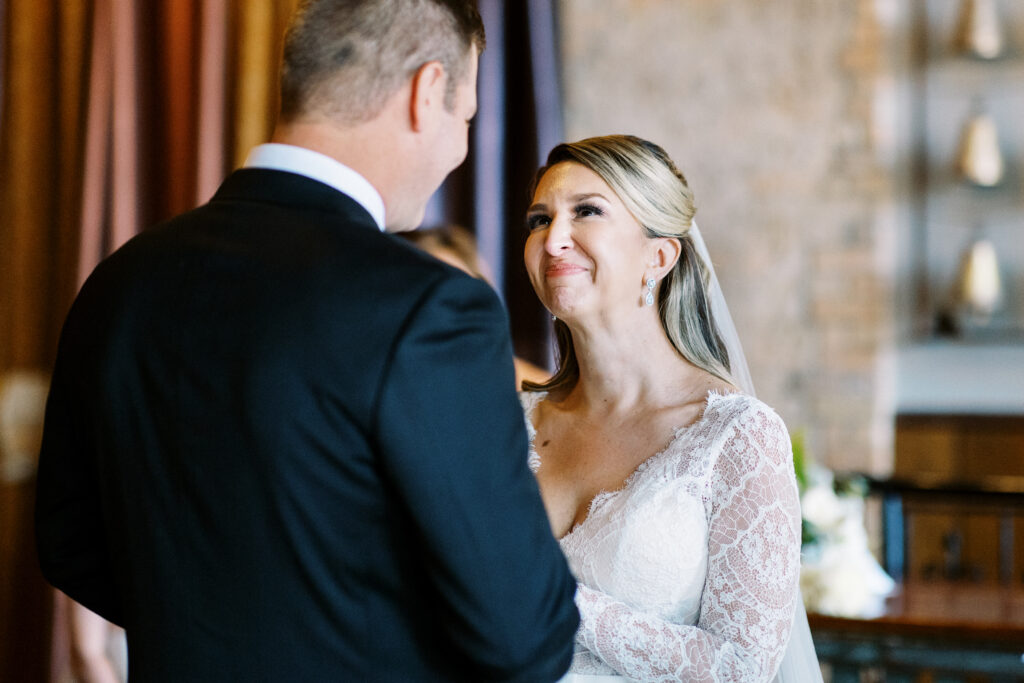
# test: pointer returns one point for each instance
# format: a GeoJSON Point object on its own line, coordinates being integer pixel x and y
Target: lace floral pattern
{"type": "Point", "coordinates": [690, 571]}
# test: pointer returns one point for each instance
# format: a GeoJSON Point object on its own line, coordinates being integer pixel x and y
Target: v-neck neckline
{"type": "Point", "coordinates": [608, 494]}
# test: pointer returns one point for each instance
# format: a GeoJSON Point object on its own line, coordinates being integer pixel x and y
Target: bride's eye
{"type": "Point", "coordinates": [537, 220]}
{"type": "Point", "coordinates": [588, 210]}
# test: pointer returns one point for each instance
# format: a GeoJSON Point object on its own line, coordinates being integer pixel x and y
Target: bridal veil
{"type": "Point", "coordinates": [799, 663]}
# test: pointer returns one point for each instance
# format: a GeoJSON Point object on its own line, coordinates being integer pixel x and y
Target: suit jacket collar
{"type": "Point", "coordinates": [291, 189]}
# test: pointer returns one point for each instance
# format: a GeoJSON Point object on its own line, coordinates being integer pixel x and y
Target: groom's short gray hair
{"type": "Point", "coordinates": [344, 58]}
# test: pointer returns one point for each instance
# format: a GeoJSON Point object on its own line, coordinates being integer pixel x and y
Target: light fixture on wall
{"type": "Point", "coordinates": [980, 161]}
{"type": "Point", "coordinates": [979, 33]}
{"type": "Point", "coordinates": [978, 290]}
{"type": "Point", "coordinates": [22, 404]}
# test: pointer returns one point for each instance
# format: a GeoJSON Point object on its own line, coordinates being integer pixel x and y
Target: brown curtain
{"type": "Point", "coordinates": [41, 142]}
{"type": "Point", "coordinates": [257, 40]}
{"type": "Point", "coordinates": [41, 145]}
{"type": "Point", "coordinates": [176, 102]}
{"type": "Point", "coordinates": [114, 114]}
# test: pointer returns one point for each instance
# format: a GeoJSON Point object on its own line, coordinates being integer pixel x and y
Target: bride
{"type": "Point", "coordinates": [670, 487]}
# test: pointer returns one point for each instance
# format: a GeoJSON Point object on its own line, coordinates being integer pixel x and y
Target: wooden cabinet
{"type": "Point", "coordinates": [961, 507]}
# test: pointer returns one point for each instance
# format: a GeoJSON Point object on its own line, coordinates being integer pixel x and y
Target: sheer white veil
{"type": "Point", "coordinates": [800, 663]}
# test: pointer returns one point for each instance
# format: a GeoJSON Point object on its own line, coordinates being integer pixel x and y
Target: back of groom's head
{"type": "Point", "coordinates": [344, 58]}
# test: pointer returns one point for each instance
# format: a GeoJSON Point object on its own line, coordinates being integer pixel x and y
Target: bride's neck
{"type": "Point", "coordinates": [627, 364]}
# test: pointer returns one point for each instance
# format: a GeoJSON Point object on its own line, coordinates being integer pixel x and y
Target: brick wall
{"type": "Point", "coordinates": [776, 112]}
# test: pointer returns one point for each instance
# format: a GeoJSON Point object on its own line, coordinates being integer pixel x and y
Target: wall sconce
{"type": "Point", "coordinates": [22, 405]}
{"type": "Point", "coordinates": [980, 160]}
{"type": "Point", "coordinates": [978, 290]}
{"type": "Point", "coordinates": [978, 31]}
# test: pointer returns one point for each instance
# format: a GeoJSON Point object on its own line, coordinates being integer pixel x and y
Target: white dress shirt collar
{"type": "Point", "coordinates": [320, 167]}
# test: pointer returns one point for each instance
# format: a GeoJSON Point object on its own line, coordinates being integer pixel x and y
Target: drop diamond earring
{"type": "Point", "coordinates": [649, 299]}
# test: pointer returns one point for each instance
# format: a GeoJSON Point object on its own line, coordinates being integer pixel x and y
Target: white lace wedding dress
{"type": "Point", "coordinates": [690, 571]}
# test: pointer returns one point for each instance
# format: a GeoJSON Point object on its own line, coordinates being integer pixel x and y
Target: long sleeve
{"type": "Point", "coordinates": [506, 594]}
{"type": "Point", "coordinates": [750, 594]}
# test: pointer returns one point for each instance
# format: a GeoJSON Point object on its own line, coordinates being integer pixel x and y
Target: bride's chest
{"type": "Point", "coordinates": [646, 545]}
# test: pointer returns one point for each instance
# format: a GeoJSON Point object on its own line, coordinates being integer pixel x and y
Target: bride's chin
{"type": "Point", "coordinates": [562, 302]}
{"type": "Point", "coordinates": [560, 311]}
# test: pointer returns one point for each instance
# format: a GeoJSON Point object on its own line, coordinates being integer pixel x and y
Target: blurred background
{"type": "Point", "coordinates": [858, 167]}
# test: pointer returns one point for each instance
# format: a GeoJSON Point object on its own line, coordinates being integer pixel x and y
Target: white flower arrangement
{"type": "Point", "coordinates": [840, 576]}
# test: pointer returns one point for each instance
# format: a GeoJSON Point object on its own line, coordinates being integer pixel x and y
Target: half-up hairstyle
{"type": "Point", "coordinates": [656, 193]}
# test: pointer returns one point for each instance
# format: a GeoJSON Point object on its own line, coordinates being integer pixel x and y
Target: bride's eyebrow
{"type": "Point", "coordinates": [587, 195]}
{"type": "Point", "coordinates": [575, 199]}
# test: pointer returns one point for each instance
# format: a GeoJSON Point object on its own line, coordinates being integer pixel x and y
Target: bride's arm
{"type": "Point", "coordinates": [751, 590]}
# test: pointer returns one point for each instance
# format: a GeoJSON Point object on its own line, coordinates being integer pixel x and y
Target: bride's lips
{"type": "Point", "coordinates": [563, 269]}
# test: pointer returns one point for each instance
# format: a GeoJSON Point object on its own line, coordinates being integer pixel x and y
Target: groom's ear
{"type": "Point", "coordinates": [426, 95]}
{"type": "Point", "coordinates": [664, 252]}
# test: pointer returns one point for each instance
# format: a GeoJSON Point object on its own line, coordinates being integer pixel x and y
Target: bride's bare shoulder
{"type": "Point", "coordinates": [700, 386]}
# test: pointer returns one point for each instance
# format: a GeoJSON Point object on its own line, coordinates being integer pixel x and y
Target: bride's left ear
{"type": "Point", "coordinates": [662, 257]}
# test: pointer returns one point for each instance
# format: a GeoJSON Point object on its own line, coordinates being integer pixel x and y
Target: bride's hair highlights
{"type": "Point", "coordinates": [656, 193]}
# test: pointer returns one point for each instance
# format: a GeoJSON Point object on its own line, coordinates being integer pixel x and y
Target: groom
{"type": "Point", "coordinates": [282, 445]}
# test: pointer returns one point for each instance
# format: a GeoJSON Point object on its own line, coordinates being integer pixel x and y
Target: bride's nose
{"type": "Point", "coordinates": [559, 237]}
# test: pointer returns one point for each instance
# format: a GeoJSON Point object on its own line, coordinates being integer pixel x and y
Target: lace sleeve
{"type": "Point", "coordinates": [751, 589]}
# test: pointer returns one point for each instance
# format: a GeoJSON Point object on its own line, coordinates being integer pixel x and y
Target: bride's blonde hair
{"type": "Point", "coordinates": [656, 193]}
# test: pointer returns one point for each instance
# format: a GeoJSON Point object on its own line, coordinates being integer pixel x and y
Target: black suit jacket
{"type": "Point", "coordinates": [282, 445]}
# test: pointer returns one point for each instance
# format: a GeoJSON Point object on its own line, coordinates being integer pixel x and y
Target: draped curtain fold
{"type": "Point", "coordinates": [40, 159]}
{"type": "Point", "coordinates": [43, 83]}
{"type": "Point", "coordinates": [164, 100]}
{"type": "Point", "coordinates": [114, 115]}
{"type": "Point", "coordinates": [256, 45]}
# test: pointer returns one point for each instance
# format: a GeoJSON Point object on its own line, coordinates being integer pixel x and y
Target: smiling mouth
{"type": "Point", "coordinates": [563, 269]}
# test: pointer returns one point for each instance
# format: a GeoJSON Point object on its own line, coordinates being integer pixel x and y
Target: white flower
{"type": "Point", "coordinates": [846, 582]}
{"type": "Point", "coordinates": [821, 506]}
{"type": "Point", "coordinates": [841, 577]}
